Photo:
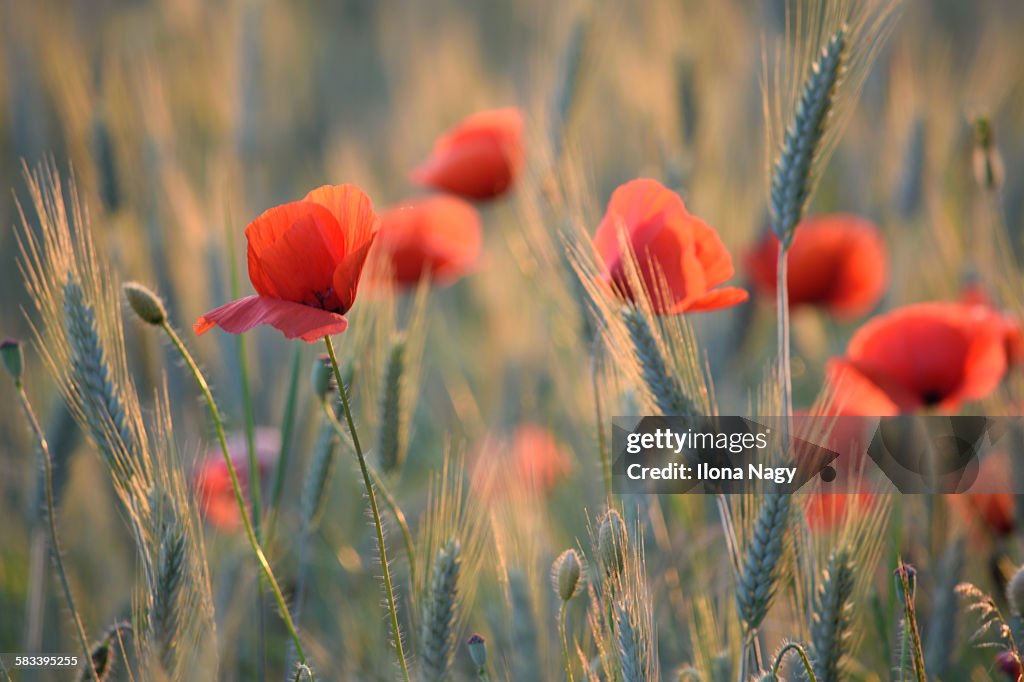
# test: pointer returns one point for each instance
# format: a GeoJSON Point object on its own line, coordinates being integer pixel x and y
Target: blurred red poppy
{"type": "Point", "coordinates": [680, 258]}
{"type": "Point", "coordinates": [925, 355]}
{"type": "Point", "coordinates": [827, 511]}
{"type": "Point", "coordinates": [305, 261]}
{"type": "Point", "coordinates": [837, 262]}
{"type": "Point", "coordinates": [438, 235]}
{"type": "Point", "coordinates": [212, 482]}
{"type": "Point", "coordinates": [974, 293]}
{"type": "Point", "coordinates": [539, 458]}
{"type": "Point", "coordinates": [479, 158]}
{"type": "Point", "coordinates": [533, 459]}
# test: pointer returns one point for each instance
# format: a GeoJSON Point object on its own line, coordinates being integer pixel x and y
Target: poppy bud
{"type": "Point", "coordinates": [611, 542]}
{"type": "Point", "coordinates": [1008, 662]}
{"type": "Point", "coordinates": [478, 651]}
{"type": "Point", "coordinates": [322, 376]}
{"type": "Point", "coordinates": [1015, 592]}
{"type": "Point", "coordinates": [145, 303]}
{"type": "Point", "coordinates": [565, 574]}
{"type": "Point", "coordinates": [13, 359]}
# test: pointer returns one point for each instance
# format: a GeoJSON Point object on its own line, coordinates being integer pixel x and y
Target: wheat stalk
{"type": "Point", "coordinates": [437, 627]}
{"type": "Point", "coordinates": [43, 451]}
{"type": "Point", "coordinates": [666, 389]}
{"type": "Point", "coordinates": [792, 179]}
{"type": "Point", "coordinates": [630, 665]}
{"type": "Point", "coordinates": [762, 560]}
{"type": "Point", "coordinates": [165, 613]}
{"type": "Point", "coordinates": [832, 619]}
{"type": "Point", "coordinates": [524, 629]}
{"type": "Point", "coordinates": [375, 511]}
{"type": "Point", "coordinates": [390, 444]}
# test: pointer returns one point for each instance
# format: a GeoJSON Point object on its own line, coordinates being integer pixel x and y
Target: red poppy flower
{"type": "Point", "coordinates": [477, 159]}
{"type": "Point", "coordinates": [836, 262]}
{"type": "Point", "coordinates": [305, 261]}
{"type": "Point", "coordinates": [532, 459]}
{"type": "Point", "coordinates": [926, 355]}
{"type": "Point", "coordinates": [439, 235]}
{"type": "Point", "coordinates": [825, 512]}
{"type": "Point", "coordinates": [680, 258]}
{"type": "Point", "coordinates": [974, 293]}
{"type": "Point", "coordinates": [212, 482]}
{"type": "Point", "coordinates": [538, 456]}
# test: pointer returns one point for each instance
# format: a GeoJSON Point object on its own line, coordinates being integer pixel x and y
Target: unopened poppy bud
{"type": "Point", "coordinates": [1009, 663]}
{"type": "Point", "coordinates": [1015, 592]}
{"type": "Point", "coordinates": [478, 651]}
{"type": "Point", "coordinates": [988, 162]}
{"type": "Point", "coordinates": [322, 376]}
{"type": "Point", "coordinates": [565, 574]}
{"type": "Point", "coordinates": [146, 304]}
{"type": "Point", "coordinates": [13, 359]}
{"type": "Point", "coordinates": [611, 542]}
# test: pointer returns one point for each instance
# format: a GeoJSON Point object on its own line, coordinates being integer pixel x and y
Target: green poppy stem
{"type": "Point", "coordinates": [218, 423]}
{"type": "Point", "coordinates": [381, 546]}
{"type": "Point", "coordinates": [58, 559]}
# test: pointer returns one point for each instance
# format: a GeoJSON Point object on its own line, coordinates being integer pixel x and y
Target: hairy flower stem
{"type": "Point", "coordinates": [793, 646]}
{"type": "Point", "coordinates": [565, 641]}
{"type": "Point", "coordinates": [51, 517]}
{"type": "Point", "coordinates": [389, 499]}
{"type": "Point", "coordinates": [381, 547]}
{"type": "Point", "coordinates": [255, 492]}
{"type": "Point", "coordinates": [250, 533]}
{"type": "Point", "coordinates": [403, 524]}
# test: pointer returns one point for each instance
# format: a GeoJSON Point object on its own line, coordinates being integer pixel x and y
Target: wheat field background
{"type": "Point", "coordinates": [484, 404]}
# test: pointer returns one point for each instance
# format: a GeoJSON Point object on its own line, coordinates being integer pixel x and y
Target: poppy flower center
{"type": "Point", "coordinates": [932, 397]}
{"type": "Point", "coordinates": [326, 300]}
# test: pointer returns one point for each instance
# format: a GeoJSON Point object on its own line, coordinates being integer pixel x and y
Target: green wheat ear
{"type": "Point", "coordinates": [166, 617]}
{"type": "Point", "coordinates": [792, 176]}
{"type": "Point", "coordinates": [832, 624]}
{"type": "Point", "coordinates": [390, 434]}
{"type": "Point", "coordinates": [437, 634]}
{"type": "Point", "coordinates": [664, 386]}
{"type": "Point", "coordinates": [102, 402]}
{"type": "Point", "coordinates": [630, 658]}
{"type": "Point", "coordinates": [762, 561]}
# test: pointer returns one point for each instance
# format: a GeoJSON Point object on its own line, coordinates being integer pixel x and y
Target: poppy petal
{"type": "Point", "coordinates": [347, 274]}
{"type": "Point", "coordinates": [293, 319]}
{"type": "Point", "coordinates": [944, 353]}
{"type": "Point", "coordinates": [301, 263]}
{"type": "Point", "coordinates": [855, 394]}
{"type": "Point", "coordinates": [353, 210]}
{"type": "Point", "coordinates": [641, 207]}
{"type": "Point", "coordinates": [478, 158]}
{"type": "Point", "coordinates": [478, 169]}
{"type": "Point", "coordinates": [440, 235]}
{"type": "Point", "coordinates": [710, 252]}
{"type": "Point", "coordinates": [263, 233]}
{"type": "Point", "coordinates": [719, 298]}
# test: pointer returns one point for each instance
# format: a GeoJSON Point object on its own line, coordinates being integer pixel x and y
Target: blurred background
{"type": "Point", "coordinates": [181, 120]}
